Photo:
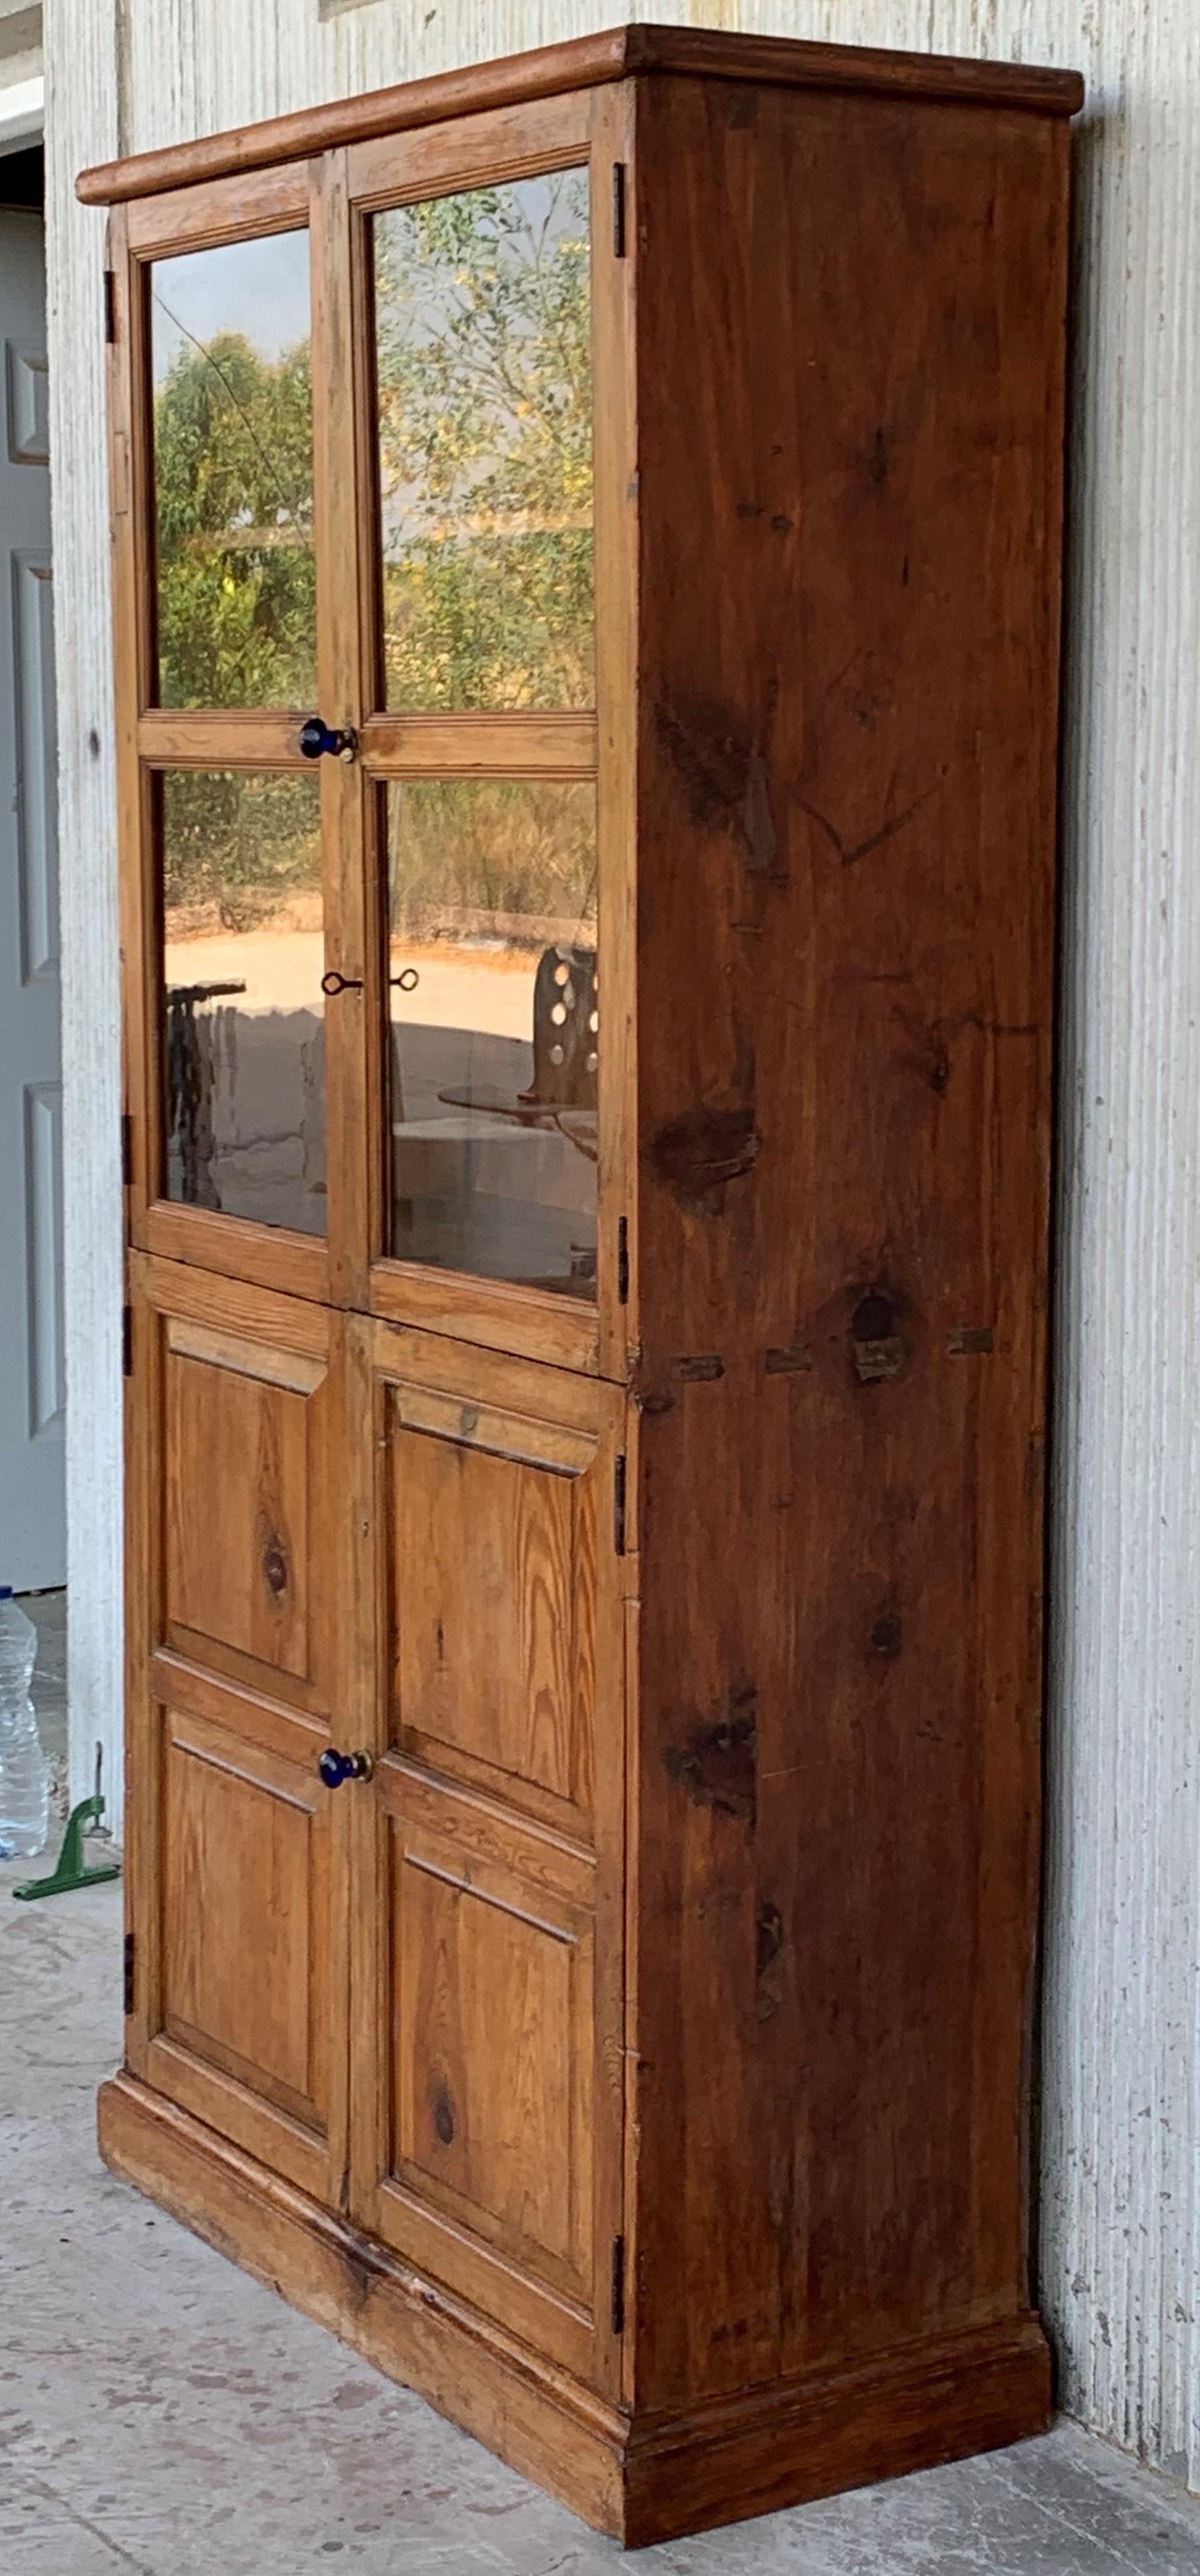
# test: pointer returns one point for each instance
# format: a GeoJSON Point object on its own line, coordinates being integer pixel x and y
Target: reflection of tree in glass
{"type": "Point", "coordinates": [237, 847]}
{"type": "Point", "coordinates": [467, 852]}
{"type": "Point", "coordinates": [485, 433]}
{"type": "Point", "coordinates": [233, 488]}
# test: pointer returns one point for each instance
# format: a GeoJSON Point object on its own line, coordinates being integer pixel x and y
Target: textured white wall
{"type": "Point", "coordinates": [1121, 2214]}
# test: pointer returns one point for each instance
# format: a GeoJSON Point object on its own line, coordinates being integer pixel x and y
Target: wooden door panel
{"type": "Point", "coordinates": [491, 2101]}
{"type": "Point", "coordinates": [497, 1474]}
{"type": "Point", "coordinates": [245, 1893]}
{"type": "Point", "coordinates": [246, 1424]}
{"type": "Point", "coordinates": [237, 1451]}
{"type": "Point", "coordinates": [497, 1665]}
{"type": "Point", "coordinates": [496, 2093]}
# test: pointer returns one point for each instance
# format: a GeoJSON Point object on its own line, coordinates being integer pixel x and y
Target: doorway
{"type": "Point", "coordinates": [32, 1392]}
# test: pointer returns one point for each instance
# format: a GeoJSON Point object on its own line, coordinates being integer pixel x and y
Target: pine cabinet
{"type": "Point", "coordinates": [586, 565]}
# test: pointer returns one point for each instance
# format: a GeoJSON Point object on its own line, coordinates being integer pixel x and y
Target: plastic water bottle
{"type": "Point", "coordinates": [24, 1770]}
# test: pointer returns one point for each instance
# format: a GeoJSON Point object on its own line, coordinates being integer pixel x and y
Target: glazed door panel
{"type": "Point", "coordinates": [247, 1151]}
{"type": "Point", "coordinates": [491, 2108]}
{"type": "Point", "coordinates": [238, 1443]}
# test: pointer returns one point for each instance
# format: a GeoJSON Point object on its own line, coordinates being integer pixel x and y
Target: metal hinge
{"type": "Point", "coordinates": [623, 1261]}
{"type": "Point", "coordinates": [127, 1341]}
{"type": "Point", "coordinates": [110, 304]}
{"type": "Point", "coordinates": [618, 210]}
{"type": "Point", "coordinates": [618, 2285]}
{"type": "Point", "coordinates": [619, 1502]}
{"type": "Point", "coordinates": [130, 1960]}
{"type": "Point", "coordinates": [126, 1149]}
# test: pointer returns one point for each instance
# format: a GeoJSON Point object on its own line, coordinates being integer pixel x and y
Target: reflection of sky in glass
{"type": "Point", "coordinates": [260, 288]}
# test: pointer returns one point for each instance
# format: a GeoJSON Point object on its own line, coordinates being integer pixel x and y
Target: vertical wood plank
{"type": "Point", "coordinates": [352, 1039]}
{"type": "Point", "coordinates": [614, 381]}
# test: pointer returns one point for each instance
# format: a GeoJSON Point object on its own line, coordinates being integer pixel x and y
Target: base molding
{"type": "Point", "coordinates": [653, 2476]}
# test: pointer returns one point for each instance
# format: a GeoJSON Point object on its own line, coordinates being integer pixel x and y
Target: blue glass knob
{"type": "Point", "coordinates": [315, 736]}
{"type": "Point", "coordinates": [333, 1767]}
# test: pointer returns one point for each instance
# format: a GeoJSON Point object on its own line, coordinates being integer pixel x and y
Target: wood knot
{"type": "Point", "coordinates": [887, 1633]}
{"type": "Point", "coordinates": [768, 1962]}
{"type": "Point", "coordinates": [443, 2112]}
{"type": "Point", "coordinates": [718, 1764]}
{"type": "Point", "coordinates": [698, 1154]}
{"type": "Point", "coordinates": [274, 1566]}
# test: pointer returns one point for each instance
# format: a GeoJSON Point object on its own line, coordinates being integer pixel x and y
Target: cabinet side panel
{"type": "Point", "coordinates": [851, 320]}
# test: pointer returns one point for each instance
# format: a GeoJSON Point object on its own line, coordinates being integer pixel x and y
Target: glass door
{"type": "Point", "coordinates": [222, 596]}
{"type": "Point", "coordinates": [490, 841]}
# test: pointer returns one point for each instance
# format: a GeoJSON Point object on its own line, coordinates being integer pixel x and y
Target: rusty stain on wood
{"type": "Point", "coordinates": [780, 1363]}
{"type": "Point", "coordinates": [877, 1350]}
{"type": "Point", "coordinates": [969, 1338]}
{"type": "Point", "coordinates": [707, 1365]}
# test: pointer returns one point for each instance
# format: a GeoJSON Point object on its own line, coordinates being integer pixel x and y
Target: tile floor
{"type": "Point", "coordinates": [162, 2415]}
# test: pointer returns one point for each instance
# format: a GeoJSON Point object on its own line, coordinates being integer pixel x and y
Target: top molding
{"type": "Point", "coordinates": [582, 64]}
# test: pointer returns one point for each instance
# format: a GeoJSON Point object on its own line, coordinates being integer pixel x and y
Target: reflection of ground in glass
{"type": "Point", "coordinates": [244, 1033]}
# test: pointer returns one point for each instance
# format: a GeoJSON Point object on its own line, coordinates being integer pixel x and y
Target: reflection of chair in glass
{"type": "Point", "coordinates": [566, 1025]}
{"type": "Point", "coordinates": [492, 1186]}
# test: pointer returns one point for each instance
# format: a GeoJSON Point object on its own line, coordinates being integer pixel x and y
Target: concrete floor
{"type": "Point", "coordinates": [162, 2414]}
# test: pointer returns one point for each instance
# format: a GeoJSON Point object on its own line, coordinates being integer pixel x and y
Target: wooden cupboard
{"type": "Point", "coordinates": [586, 560]}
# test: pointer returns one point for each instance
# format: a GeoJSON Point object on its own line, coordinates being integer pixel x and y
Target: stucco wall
{"type": "Point", "coordinates": [1121, 2201]}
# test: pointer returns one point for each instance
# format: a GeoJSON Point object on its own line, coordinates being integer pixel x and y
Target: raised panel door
{"type": "Point", "coordinates": [236, 1684]}
{"type": "Point", "coordinates": [492, 2099]}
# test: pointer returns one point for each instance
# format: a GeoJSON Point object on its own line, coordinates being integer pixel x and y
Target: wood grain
{"type": "Point", "coordinates": [500, 144]}
{"type": "Point", "coordinates": [849, 620]}
{"type": "Point", "coordinates": [480, 746]}
{"type": "Point", "coordinates": [496, 1661]}
{"type": "Point", "coordinates": [355, 1093]}
{"type": "Point", "coordinates": [617, 502]}
{"type": "Point", "coordinates": [555, 69]}
{"type": "Point", "coordinates": [220, 738]}
{"type": "Point", "coordinates": [494, 1313]}
{"type": "Point", "coordinates": [218, 210]}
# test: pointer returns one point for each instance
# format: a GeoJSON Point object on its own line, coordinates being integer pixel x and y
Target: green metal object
{"type": "Point", "coordinates": [69, 1871]}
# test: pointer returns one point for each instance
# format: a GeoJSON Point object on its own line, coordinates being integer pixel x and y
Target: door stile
{"type": "Point", "coordinates": [352, 1035]}
{"type": "Point", "coordinates": [369, 1597]}
{"type": "Point", "coordinates": [128, 481]}
{"type": "Point", "coordinates": [143, 1592]}
{"type": "Point", "coordinates": [618, 503]}
{"type": "Point", "coordinates": [614, 379]}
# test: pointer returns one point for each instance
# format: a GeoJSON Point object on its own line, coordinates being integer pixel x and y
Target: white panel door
{"type": "Point", "coordinates": [32, 1527]}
